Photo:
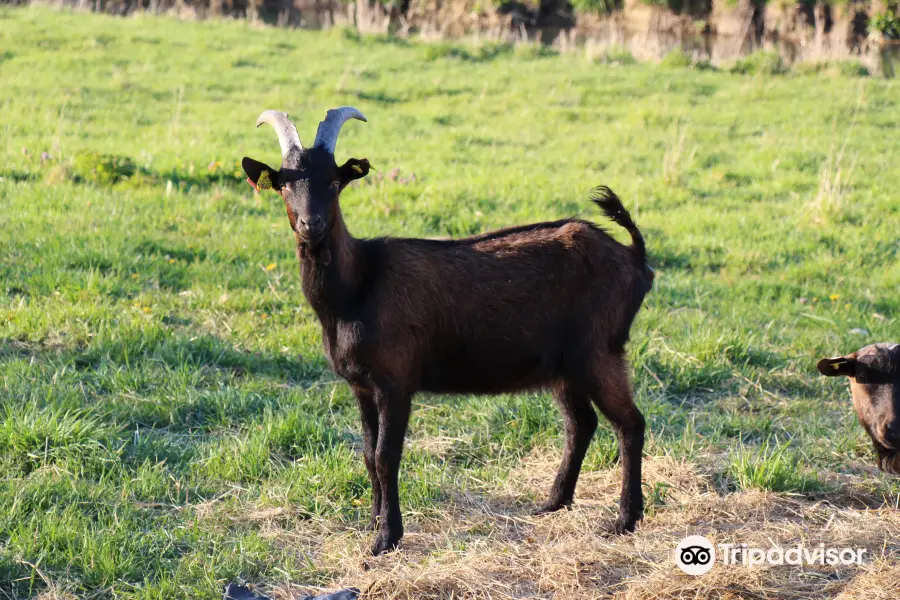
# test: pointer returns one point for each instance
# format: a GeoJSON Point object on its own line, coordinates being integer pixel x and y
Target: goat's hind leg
{"type": "Point", "coordinates": [580, 422]}
{"type": "Point", "coordinates": [368, 413]}
{"type": "Point", "coordinates": [613, 396]}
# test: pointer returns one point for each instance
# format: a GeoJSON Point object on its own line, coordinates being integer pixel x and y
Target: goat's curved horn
{"type": "Point", "coordinates": [284, 129]}
{"type": "Point", "coordinates": [327, 134]}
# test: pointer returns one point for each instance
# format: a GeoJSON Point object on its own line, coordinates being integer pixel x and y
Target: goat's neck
{"type": "Point", "coordinates": [332, 273]}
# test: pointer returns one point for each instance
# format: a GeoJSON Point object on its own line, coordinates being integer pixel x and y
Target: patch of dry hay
{"type": "Point", "coordinates": [489, 547]}
{"type": "Point", "coordinates": [879, 581]}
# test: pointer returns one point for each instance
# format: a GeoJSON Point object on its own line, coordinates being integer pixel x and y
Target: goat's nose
{"type": "Point", "coordinates": [313, 224]}
{"type": "Point", "coordinates": [892, 433]}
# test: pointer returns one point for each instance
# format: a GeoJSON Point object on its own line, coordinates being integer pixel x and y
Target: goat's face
{"type": "Point", "coordinates": [309, 180]}
{"type": "Point", "coordinates": [874, 373]}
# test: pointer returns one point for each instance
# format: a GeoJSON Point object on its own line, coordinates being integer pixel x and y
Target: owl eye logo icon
{"type": "Point", "coordinates": [695, 555]}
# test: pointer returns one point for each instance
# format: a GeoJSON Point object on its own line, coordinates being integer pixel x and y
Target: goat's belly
{"type": "Point", "coordinates": [478, 374]}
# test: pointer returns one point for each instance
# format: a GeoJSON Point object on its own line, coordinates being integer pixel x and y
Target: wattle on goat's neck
{"type": "Point", "coordinates": [331, 274]}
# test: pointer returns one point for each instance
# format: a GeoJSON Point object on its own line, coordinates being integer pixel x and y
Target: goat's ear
{"type": "Point", "coordinates": [839, 365]}
{"type": "Point", "coordinates": [354, 168]}
{"type": "Point", "coordinates": [260, 175]}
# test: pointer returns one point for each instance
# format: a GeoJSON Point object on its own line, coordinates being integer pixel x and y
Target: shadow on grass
{"type": "Point", "coordinates": [378, 97]}
{"type": "Point", "coordinates": [121, 172]}
{"type": "Point", "coordinates": [474, 54]}
{"type": "Point", "coordinates": [161, 395]}
{"type": "Point", "coordinates": [17, 176]}
{"type": "Point", "coordinates": [351, 35]}
{"type": "Point", "coordinates": [163, 348]}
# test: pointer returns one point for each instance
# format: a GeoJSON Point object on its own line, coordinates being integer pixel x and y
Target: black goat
{"type": "Point", "coordinates": [874, 373]}
{"type": "Point", "coordinates": [547, 305]}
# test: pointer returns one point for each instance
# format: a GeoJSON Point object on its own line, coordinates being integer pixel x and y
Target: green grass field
{"type": "Point", "coordinates": [168, 422]}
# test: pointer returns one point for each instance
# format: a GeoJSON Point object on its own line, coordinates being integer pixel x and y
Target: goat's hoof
{"type": "Point", "coordinates": [551, 508]}
{"type": "Point", "coordinates": [384, 543]}
{"type": "Point", "coordinates": [623, 526]}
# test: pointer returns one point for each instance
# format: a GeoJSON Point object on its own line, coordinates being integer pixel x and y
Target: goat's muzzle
{"type": "Point", "coordinates": [312, 230]}
{"type": "Point", "coordinates": [888, 459]}
{"type": "Point", "coordinates": [313, 227]}
{"type": "Point", "coordinates": [890, 436]}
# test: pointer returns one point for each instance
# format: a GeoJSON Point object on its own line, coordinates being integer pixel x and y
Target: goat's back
{"type": "Point", "coordinates": [505, 310]}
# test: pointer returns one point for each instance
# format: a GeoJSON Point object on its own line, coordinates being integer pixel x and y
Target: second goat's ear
{"type": "Point", "coordinates": [355, 168]}
{"type": "Point", "coordinates": [838, 366]}
{"type": "Point", "coordinates": [260, 175]}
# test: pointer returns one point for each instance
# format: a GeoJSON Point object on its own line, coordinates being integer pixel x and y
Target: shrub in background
{"type": "Point", "coordinates": [763, 62]}
{"type": "Point", "coordinates": [843, 68]}
{"type": "Point", "coordinates": [615, 55]}
{"type": "Point", "coordinates": [102, 169]}
{"type": "Point", "coordinates": [677, 59]}
{"type": "Point", "coordinates": [887, 23]}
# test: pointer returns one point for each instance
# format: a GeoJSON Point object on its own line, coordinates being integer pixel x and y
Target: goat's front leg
{"type": "Point", "coordinates": [368, 413]}
{"type": "Point", "coordinates": [393, 417]}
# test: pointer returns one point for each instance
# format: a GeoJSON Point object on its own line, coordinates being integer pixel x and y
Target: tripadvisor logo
{"type": "Point", "coordinates": [695, 555]}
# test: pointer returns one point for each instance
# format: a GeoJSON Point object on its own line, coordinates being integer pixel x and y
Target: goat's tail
{"type": "Point", "coordinates": [612, 207]}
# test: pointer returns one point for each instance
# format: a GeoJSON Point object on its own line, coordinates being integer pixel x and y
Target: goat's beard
{"type": "Point", "coordinates": [888, 459]}
{"type": "Point", "coordinates": [316, 253]}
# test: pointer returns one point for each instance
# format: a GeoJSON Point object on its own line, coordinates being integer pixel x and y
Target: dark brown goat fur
{"type": "Point", "coordinates": [874, 373]}
{"type": "Point", "coordinates": [547, 305]}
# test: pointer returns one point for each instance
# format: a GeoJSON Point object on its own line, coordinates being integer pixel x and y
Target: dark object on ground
{"type": "Point", "coordinates": [542, 306]}
{"type": "Point", "coordinates": [348, 594]}
{"type": "Point", "coordinates": [234, 591]}
{"type": "Point", "coordinates": [874, 373]}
